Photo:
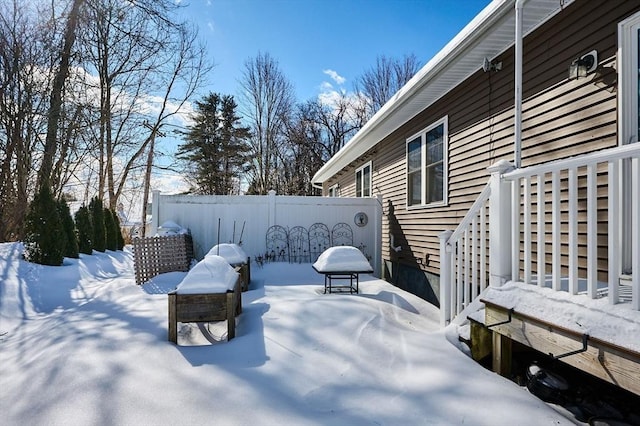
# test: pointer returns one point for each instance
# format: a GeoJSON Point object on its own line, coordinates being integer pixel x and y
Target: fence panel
{"type": "Point", "coordinates": [245, 219]}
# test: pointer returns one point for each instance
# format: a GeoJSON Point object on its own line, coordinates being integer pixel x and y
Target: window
{"type": "Point", "coordinates": [333, 191]}
{"type": "Point", "coordinates": [363, 181]}
{"type": "Point", "coordinates": [629, 44]}
{"type": "Point", "coordinates": [427, 167]}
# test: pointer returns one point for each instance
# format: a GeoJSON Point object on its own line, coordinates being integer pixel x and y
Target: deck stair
{"type": "Point", "coordinates": [556, 231]}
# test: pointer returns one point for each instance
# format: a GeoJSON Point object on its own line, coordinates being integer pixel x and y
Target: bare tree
{"type": "Point", "coordinates": [55, 103]}
{"type": "Point", "coordinates": [147, 66]}
{"type": "Point", "coordinates": [315, 132]}
{"type": "Point", "coordinates": [25, 60]}
{"type": "Point", "coordinates": [379, 83]}
{"type": "Point", "coordinates": [266, 99]}
{"type": "Point", "coordinates": [87, 75]}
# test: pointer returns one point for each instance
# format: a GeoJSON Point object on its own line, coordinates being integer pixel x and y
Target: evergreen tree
{"type": "Point", "coordinates": [216, 146]}
{"type": "Point", "coordinates": [99, 240]}
{"type": "Point", "coordinates": [85, 230]}
{"type": "Point", "coordinates": [71, 246]}
{"type": "Point", "coordinates": [110, 227]}
{"type": "Point", "coordinates": [119, 236]}
{"type": "Point", "coordinates": [45, 240]}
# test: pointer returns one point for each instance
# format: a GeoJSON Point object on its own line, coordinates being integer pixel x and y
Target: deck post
{"type": "Point", "coordinates": [173, 320]}
{"type": "Point", "coordinates": [502, 348]}
{"type": "Point", "coordinates": [445, 279]}
{"type": "Point", "coordinates": [499, 224]}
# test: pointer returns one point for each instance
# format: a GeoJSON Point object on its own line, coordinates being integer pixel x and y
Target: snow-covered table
{"type": "Point", "coordinates": [211, 291]}
{"type": "Point", "coordinates": [237, 258]}
{"type": "Point", "coordinates": [343, 264]}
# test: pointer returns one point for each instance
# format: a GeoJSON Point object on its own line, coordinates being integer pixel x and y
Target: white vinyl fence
{"type": "Point", "coordinates": [245, 219]}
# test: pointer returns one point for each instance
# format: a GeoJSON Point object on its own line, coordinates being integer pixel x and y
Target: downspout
{"type": "Point", "coordinates": [517, 150]}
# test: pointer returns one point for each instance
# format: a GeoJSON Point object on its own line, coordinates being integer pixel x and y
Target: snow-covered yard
{"type": "Point", "coordinates": [82, 344]}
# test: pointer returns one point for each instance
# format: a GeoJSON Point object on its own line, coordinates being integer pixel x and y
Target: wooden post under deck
{"type": "Point", "coordinates": [502, 346]}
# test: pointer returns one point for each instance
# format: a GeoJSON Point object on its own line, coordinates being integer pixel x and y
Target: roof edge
{"type": "Point", "coordinates": [473, 31]}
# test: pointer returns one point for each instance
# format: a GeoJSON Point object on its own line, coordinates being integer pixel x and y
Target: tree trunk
{"type": "Point", "coordinates": [56, 95]}
{"type": "Point", "coordinates": [147, 183]}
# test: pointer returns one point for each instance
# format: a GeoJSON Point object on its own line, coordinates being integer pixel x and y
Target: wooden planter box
{"type": "Point", "coordinates": [205, 307]}
{"type": "Point", "coordinates": [244, 269]}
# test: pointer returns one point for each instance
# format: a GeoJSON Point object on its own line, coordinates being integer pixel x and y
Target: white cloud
{"type": "Point", "coordinates": [330, 98]}
{"type": "Point", "coordinates": [211, 26]}
{"type": "Point", "coordinates": [335, 76]}
{"type": "Point", "coordinates": [325, 86]}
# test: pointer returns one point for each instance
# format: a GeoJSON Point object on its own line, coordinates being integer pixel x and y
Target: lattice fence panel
{"type": "Point", "coordinates": [157, 255]}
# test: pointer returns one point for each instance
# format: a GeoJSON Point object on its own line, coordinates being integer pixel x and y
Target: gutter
{"type": "Point", "coordinates": [517, 102]}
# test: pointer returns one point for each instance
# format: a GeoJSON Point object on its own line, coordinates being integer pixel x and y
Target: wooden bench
{"type": "Point", "coordinates": [205, 307]}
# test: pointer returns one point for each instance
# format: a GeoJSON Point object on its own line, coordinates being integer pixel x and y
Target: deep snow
{"type": "Point", "coordinates": [82, 344]}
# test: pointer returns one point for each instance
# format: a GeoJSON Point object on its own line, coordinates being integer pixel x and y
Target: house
{"type": "Point", "coordinates": [513, 155]}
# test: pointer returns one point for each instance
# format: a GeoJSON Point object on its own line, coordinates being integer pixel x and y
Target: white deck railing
{"type": "Point", "coordinates": [565, 204]}
{"type": "Point", "coordinates": [464, 259]}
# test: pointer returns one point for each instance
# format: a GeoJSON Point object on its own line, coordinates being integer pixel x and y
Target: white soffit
{"type": "Point", "coordinates": [489, 34]}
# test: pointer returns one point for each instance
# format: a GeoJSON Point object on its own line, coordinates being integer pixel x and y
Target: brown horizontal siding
{"type": "Point", "coordinates": [561, 118]}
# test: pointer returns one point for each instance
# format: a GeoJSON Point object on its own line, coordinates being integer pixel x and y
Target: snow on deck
{"type": "Point", "coordinates": [617, 324]}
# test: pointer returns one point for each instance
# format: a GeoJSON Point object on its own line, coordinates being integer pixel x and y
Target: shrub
{"type": "Point", "coordinates": [85, 230]}
{"type": "Point", "coordinates": [44, 241]}
{"type": "Point", "coordinates": [110, 227]}
{"type": "Point", "coordinates": [99, 240]}
{"type": "Point", "coordinates": [71, 246]}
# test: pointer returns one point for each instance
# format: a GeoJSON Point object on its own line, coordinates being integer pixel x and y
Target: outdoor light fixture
{"type": "Point", "coordinates": [487, 65]}
{"type": "Point", "coordinates": [583, 65]}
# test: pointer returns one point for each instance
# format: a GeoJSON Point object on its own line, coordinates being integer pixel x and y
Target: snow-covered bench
{"type": "Point", "coordinates": [341, 264]}
{"type": "Point", "coordinates": [211, 291]}
{"type": "Point", "coordinates": [237, 258]}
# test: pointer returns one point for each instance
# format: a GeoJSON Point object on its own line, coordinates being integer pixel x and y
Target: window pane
{"type": "Point", "coordinates": [638, 68]}
{"type": "Point", "coordinates": [415, 188]}
{"type": "Point", "coordinates": [435, 183]}
{"type": "Point", "coordinates": [434, 144]}
{"type": "Point", "coordinates": [414, 160]}
{"type": "Point", "coordinates": [366, 182]}
{"type": "Point", "coordinates": [359, 183]}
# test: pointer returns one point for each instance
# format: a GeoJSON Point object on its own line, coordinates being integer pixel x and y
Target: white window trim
{"type": "Point", "coordinates": [359, 169]}
{"type": "Point", "coordinates": [628, 79]}
{"type": "Point", "coordinates": [333, 188]}
{"type": "Point", "coordinates": [445, 165]}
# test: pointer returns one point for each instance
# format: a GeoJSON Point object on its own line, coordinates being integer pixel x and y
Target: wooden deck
{"type": "Point", "coordinates": [606, 360]}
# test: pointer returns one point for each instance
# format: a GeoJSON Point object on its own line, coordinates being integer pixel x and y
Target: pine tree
{"type": "Point", "coordinates": [99, 240]}
{"type": "Point", "coordinates": [119, 236]}
{"type": "Point", "coordinates": [85, 230]}
{"type": "Point", "coordinates": [110, 227]}
{"type": "Point", "coordinates": [71, 246]}
{"type": "Point", "coordinates": [45, 240]}
{"type": "Point", "coordinates": [216, 146]}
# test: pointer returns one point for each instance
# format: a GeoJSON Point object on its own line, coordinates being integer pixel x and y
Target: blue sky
{"type": "Point", "coordinates": [312, 38]}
